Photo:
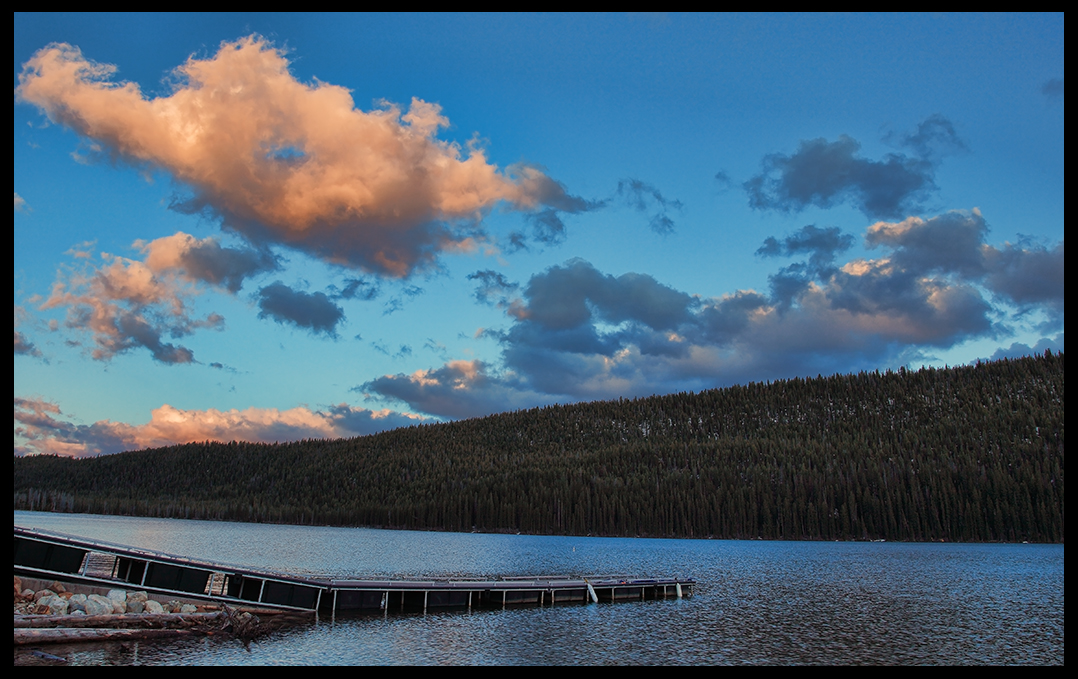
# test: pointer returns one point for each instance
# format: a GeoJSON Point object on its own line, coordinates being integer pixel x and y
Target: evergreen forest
{"type": "Point", "coordinates": [971, 453]}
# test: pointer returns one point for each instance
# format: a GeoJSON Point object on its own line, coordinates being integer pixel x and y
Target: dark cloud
{"type": "Point", "coordinates": [547, 227]}
{"type": "Point", "coordinates": [645, 198]}
{"type": "Point", "coordinates": [566, 296]}
{"type": "Point", "coordinates": [458, 389]}
{"type": "Point", "coordinates": [517, 241]}
{"type": "Point", "coordinates": [358, 288]}
{"type": "Point", "coordinates": [823, 245]}
{"type": "Point", "coordinates": [949, 243]}
{"type": "Point", "coordinates": [1027, 275]}
{"type": "Point", "coordinates": [312, 311]}
{"type": "Point", "coordinates": [136, 331]}
{"type": "Point", "coordinates": [493, 288]}
{"type": "Point", "coordinates": [956, 243]}
{"type": "Point", "coordinates": [1053, 89]}
{"type": "Point", "coordinates": [824, 173]}
{"type": "Point", "coordinates": [722, 321]}
{"type": "Point", "coordinates": [934, 138]}
{"type": "Point", "coordinates": [396, 303]}
{"type": "Point", "coordinates": [1018, 349]}
{"type": "Point", "coordinates": [24, 347]}
{"type": "Point", "coordinates": [578, 333]}
{"type": "Point", "coordinates": [360, 421]}
{"type": "Point", "coordinates": [207, 261]}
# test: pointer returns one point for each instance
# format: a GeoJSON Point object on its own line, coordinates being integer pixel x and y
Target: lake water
{"type": "Point", "coordinates": [756, 602]}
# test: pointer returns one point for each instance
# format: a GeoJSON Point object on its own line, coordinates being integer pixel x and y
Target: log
{"type": "Point", "coordinates": [25, 637]}
{"type": "Point", "coordinates": [127, 620]}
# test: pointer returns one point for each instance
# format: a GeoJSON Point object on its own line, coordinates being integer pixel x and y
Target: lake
{"type": "Point", "coordinates": [756, 602]}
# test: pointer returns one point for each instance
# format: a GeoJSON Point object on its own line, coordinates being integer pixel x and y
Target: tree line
{"type": "Point", "coordinates": [971, 453]}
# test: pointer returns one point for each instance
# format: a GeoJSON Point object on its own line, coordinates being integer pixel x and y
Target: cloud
{"type": "Point", "coordinates": [822, 246]}
{"type": "Point", "coordinates": [205, 260]}
{"type": "Point", "coordinates": [823, 173]}
{"type": "Point", "coordinates": [20, 203]}
{"type": "Point", "coordinates": [125, 304]}
{"type": "Point", "coordinates": [43, 429]}
{"type": "Point", "coordinates": [1018, 349]}
{"type": "Point", "coordinates": [311, 311]}
{"type": "Point", "coordinates": [24, 347]}
{"type": "Point", "coordinates": [286, 162]}
{"type": "Point", "coordinates": [645, 198]}
{"type": "Point", "coordinates": [494, 289]}
{"type": "Point", "coordinates": [359, 288]}
{"type": "Point", "coordinates": [1052, 89]}
{"type": "Point", "coordinates": [547, 227]}
{"type": "Point", "coordinates": [1025, 274]}
{"type": "Point", "coordinates": [457, 389]}
{"type": "Point", "coordinates": [934, 138]}
{"type": "Point", "coordinates": [578, 333]}
{"type": "Point", "coordinates": [567, 296]}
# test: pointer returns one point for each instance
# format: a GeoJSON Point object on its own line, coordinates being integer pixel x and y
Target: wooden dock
{"type": "Point", "coordinates": [40, 554]}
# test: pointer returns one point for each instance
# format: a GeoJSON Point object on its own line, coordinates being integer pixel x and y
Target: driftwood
{"type": "Point", "coordinates": [26, 637]}
{"type": "Point", "coordinates": [243, 625]}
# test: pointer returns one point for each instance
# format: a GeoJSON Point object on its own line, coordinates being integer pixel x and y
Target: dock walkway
{"type": "Point", "coordinates": [41, 554]}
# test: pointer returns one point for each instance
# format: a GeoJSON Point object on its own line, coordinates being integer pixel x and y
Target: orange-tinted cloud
{"type": "Point", "coordinates": [125, 303]}
{"type": "Point", "coordinates": [43, 428]}
{"type": "Point", "coordinates": [289, 162]}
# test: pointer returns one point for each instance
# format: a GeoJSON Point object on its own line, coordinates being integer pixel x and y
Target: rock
{"type": "Point", "coordinates": [137, 596]}
{"type": "Point", "coordinates": [99, 605]}
{"type": "Point", "coordinates": [77, 603]}
{"type": "Point", "coordinates": [136, 606]}
{"type": "Point", "coordinates": [118, 597]}
{"type": "Point", "coordinates": [154, 606]}
{"type": "Point", "coordinates": [52, 604]}
{"type": "Point", "coordinates": [188, 608]}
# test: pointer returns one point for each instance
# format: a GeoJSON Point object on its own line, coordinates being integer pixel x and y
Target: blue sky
{"type": "Point", "coordinates": [273, 227]}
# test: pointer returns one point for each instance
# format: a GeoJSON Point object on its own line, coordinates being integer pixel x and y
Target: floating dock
{"type": "Point", "coordinates": [40, 554]}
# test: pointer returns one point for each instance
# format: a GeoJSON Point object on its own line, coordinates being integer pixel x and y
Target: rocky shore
{"type": "Point", "coordinates": [57, 599]}
{"type": "Point", "coordinates": [59, 613]}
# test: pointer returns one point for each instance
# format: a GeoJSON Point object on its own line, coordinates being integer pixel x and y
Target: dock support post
{"type": "Point", "coordinates": [333, 615]}
{"type": "Point", "coordinates": [678, 585]}
{"type": "Point", "coordinates": [425, 593]}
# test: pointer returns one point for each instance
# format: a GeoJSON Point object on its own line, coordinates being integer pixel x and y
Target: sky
{"type": "Point", "coordinates": [273, 227]}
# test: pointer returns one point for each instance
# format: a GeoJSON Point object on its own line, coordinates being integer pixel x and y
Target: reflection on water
{"type": "Point", "coordinates": [757, 602]}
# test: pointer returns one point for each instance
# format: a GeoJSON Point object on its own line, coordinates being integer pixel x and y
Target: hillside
{"type": "Point", "coordinates": [967, 454]}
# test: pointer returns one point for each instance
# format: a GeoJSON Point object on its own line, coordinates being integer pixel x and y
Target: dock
{"type": "Point", "coordinates": [46, 555]}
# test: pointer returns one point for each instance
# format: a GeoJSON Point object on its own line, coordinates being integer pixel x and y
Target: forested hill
{"type": "Point", "coordinates": [969, 454]}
